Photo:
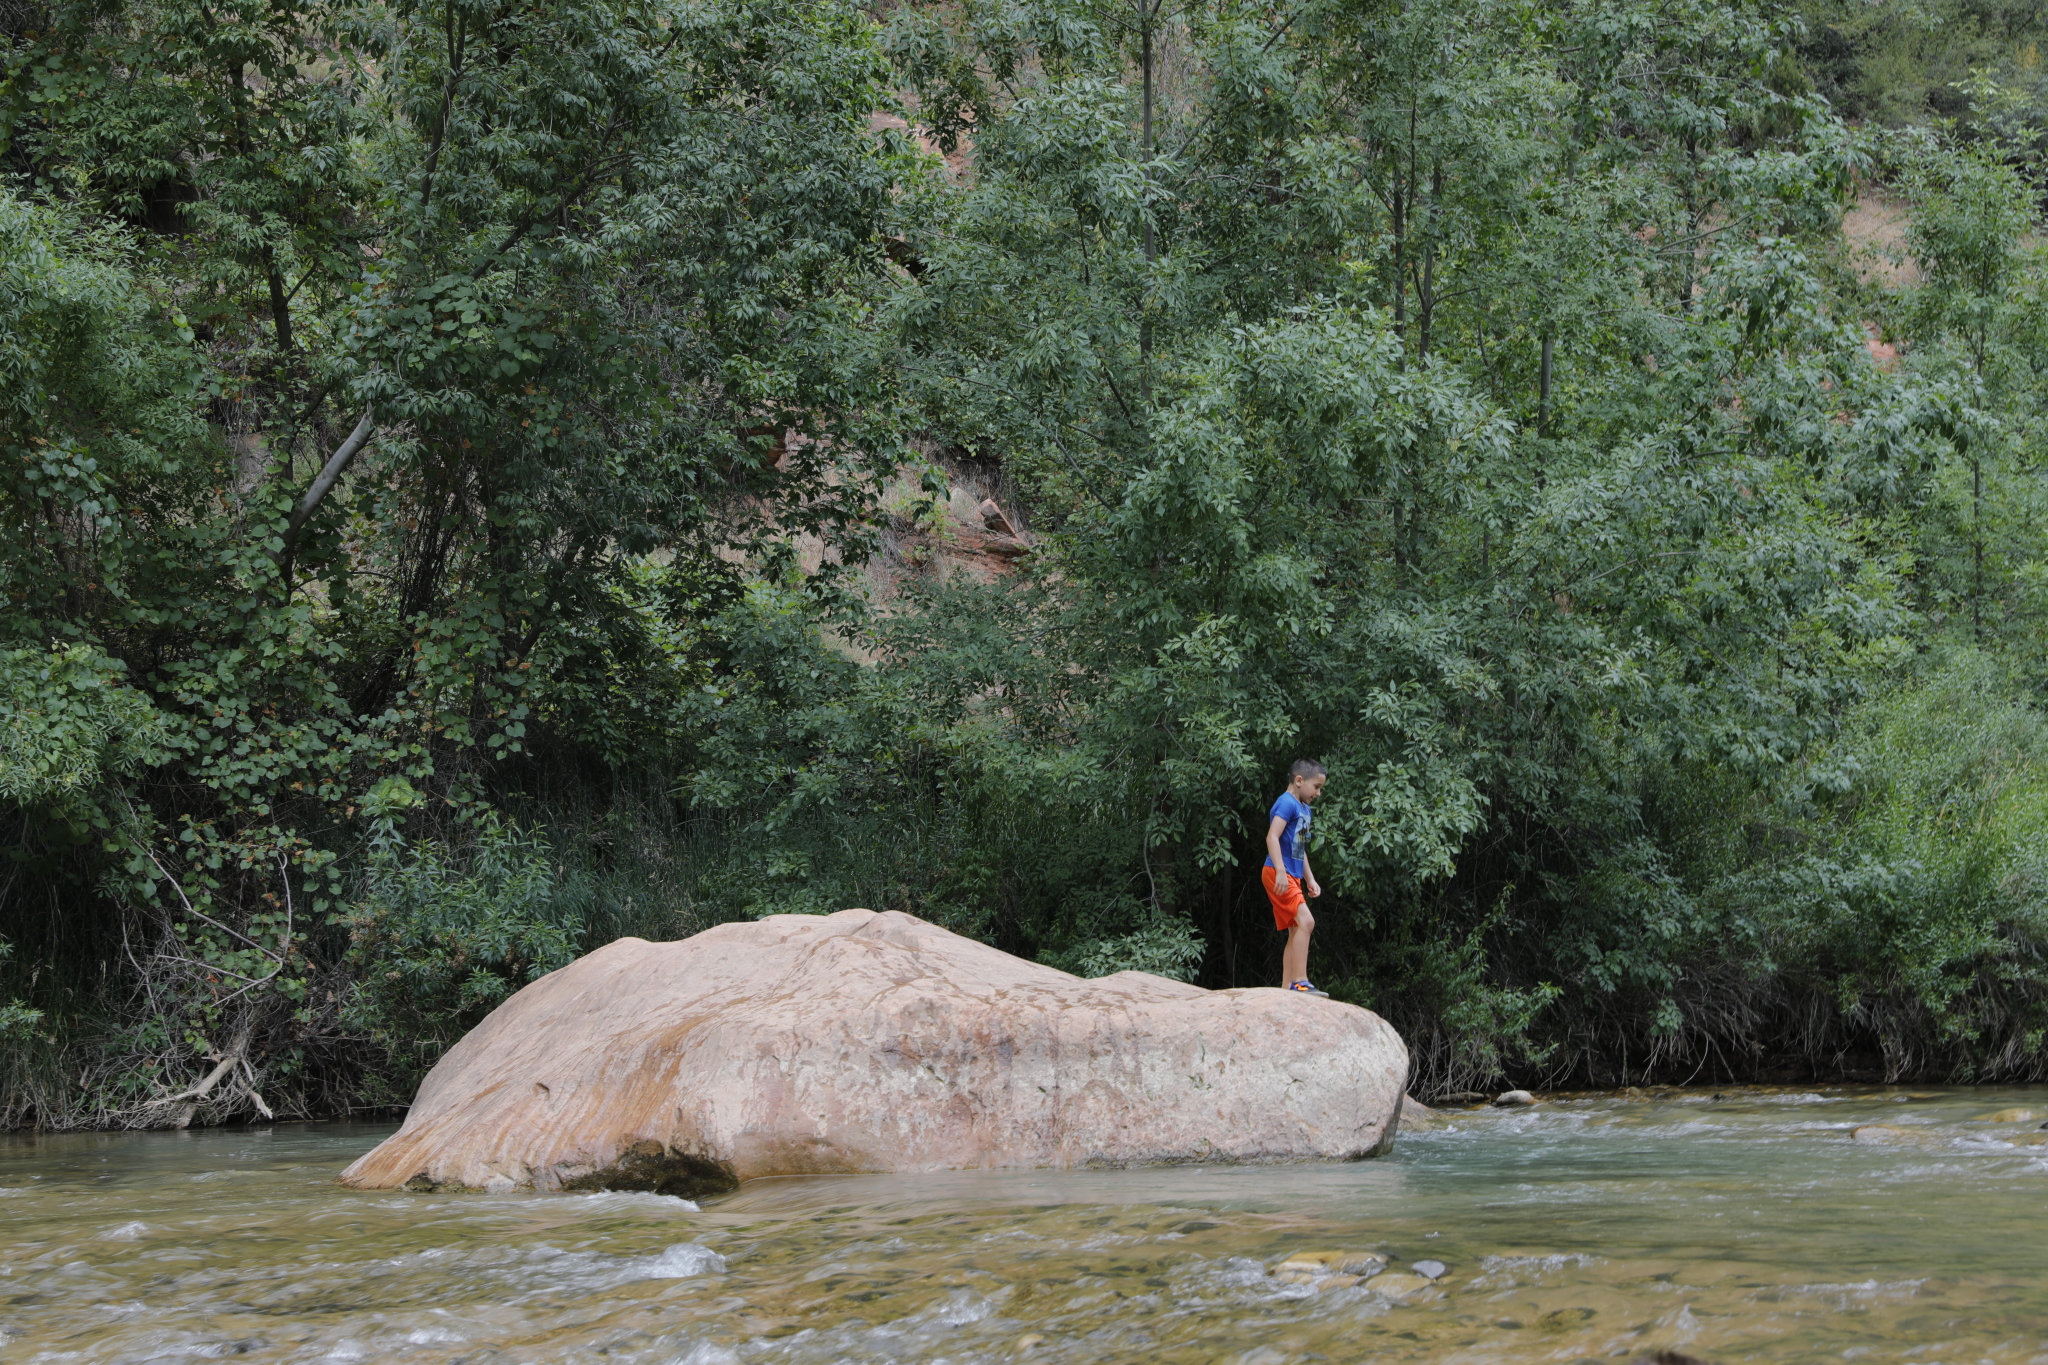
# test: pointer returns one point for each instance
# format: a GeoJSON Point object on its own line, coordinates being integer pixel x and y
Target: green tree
{"type": "Point", "coordinates": [370, 365]}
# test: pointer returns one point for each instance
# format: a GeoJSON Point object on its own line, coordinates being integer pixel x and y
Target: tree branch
{"type": "Point", "coordinates": [324, 482]}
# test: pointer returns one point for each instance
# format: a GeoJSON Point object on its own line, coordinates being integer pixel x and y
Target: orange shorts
{"type": "Point", "coordinates": [1285, 904]}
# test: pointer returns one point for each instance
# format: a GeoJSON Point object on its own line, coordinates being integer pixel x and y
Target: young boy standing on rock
{"type": "Point", "coordinates": [1287, 874]}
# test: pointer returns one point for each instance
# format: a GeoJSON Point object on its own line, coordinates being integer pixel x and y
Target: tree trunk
{"type": "Point", "coordinates": [1977, 543]}
{"type": "Point", "coordinates": [1146, 10]}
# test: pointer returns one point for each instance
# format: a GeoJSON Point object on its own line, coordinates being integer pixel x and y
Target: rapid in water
{"type": "Point", "coordinates": [1753, 1225]}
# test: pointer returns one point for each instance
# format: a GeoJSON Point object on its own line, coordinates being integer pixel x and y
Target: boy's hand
{"type": "Point", "coordinates": [1308, 884]}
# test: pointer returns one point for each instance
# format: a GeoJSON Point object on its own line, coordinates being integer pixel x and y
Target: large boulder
{"type": "Point", "coordinates": [877, 1042]}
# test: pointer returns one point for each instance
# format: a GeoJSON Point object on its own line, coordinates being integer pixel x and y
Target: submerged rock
{"type": "Point", "coordinates": [1430, 1270]}
{"type": "Point", "coordinates": [803, 1044]}
{"type": "Point", "coordinates": [2010, 1116]}
{"type": "Point", "coordinates": [1400, 1288]}
{"type": "Point", "coordinates": [1302, 1267]}
{"type": "Point", "coordinates": [1878, 1132]}
{"type": "Point", "coordinates": [1514, 1099]}
{"type": "Point", "coordinates": [1417, 1117]}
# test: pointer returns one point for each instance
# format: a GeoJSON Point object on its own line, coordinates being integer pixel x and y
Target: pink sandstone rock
{"type": "Point", "coordinates": [992, 517]}
{"type": "Point", "coordinates": [859, 1041]}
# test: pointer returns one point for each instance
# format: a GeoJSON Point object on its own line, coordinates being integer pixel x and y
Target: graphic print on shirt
{"type": "Point", "coordinates": [1297, 852]}
{"type": "Point", "coordinates": [1293, 832]}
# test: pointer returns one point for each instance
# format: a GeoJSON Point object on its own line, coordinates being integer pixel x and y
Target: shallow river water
{"type": "Point", "coordinates": [1749, 1227]}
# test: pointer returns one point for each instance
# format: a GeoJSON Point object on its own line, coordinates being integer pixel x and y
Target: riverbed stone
{"type": "Point", "coordinates": [1323, 1280]}
{"type": "Point", "coordinates": [1878, 1132]}
{"type": "Point", "coordinates": [1430, 1270]}
{"type": "Point", "coordinates": [866, 1042]}
{"type": "Point", "coordinates": [2011, 1116]}
{"type": "Point", "coordinates": [1514, 1099]}
{"type": "Point", "coordinates": [1302, 1266]}
{"type": "Point", "coordinates": [1417, 1117]}
{"type": "Point", "coordinates": [1401, 1288]}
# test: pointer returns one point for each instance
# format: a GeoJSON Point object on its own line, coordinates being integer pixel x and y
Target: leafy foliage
{"type": "Point", "coordinates": [358, 360]}
{"type": "Point", "coordinates": [71, 725]}
{"type": "Point", "coordinates": [437, 939]}
{"type": "Point", "coordinates": [449, 458]}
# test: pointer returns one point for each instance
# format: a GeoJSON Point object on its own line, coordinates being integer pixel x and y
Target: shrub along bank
{"type": "Point", "coordinates": [442, 448]}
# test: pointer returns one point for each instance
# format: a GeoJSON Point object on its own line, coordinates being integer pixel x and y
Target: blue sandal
{"type": "Point", "coordinates": [1305, 988]}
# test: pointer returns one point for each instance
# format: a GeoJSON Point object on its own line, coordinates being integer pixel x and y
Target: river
{"type": "Point", "coordinates": [1749, 1227]}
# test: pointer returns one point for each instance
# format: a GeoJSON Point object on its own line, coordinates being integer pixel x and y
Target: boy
{"type": "Point", "coordinates": [1287, 874]}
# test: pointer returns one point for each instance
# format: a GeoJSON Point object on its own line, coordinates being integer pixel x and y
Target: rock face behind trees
{"type": "Point", "coordinates": [877, 1042]}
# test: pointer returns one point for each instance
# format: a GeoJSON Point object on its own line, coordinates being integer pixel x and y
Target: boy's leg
{"type": "Point", "coordinates": [1291, 916]}
{"type": "Point", "coordinates": [1294, 958]}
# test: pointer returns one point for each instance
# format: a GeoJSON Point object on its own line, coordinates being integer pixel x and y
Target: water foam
{"type": "Point", "coordinates": [708, 1353]}
{"type": "Point", "coordinates": [678, 1262]}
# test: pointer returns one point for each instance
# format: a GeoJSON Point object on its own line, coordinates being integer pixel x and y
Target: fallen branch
{"type": "Point", "coordinates": [233, 1083]}
{"type": "Point", "coordinates": [152, 1113]}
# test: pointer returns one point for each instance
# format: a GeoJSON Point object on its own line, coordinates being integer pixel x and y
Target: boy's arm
{"type": "Point", "coordinates": [1273, 830]}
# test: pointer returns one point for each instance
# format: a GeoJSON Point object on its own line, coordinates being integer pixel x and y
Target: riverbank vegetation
{"type": "Point", "coordinates": [483, 480]}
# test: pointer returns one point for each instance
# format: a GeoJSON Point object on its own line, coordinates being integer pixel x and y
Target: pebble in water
{"type": "Point", "coordinates": [1514, 1099]}
{"type": "Point", "coordinates": [1430, 1270]}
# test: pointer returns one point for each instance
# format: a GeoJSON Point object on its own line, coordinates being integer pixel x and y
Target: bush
{"type": "Point", "coordinates": [1922, 906]}
{"type": "Point", "coordinates": [1881, 910]}
{"type": "Point", "coordinates": [440, 936]}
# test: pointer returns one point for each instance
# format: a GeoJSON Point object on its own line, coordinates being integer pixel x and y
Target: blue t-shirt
{"type": "Point", "coordinates": [1294, 837]}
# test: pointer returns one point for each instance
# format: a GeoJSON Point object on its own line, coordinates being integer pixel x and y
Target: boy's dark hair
{"type": "Point", "coordinates": [1305, 767]}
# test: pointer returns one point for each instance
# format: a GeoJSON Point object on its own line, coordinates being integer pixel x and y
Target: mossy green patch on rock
{"type": "Point", "coordinates": [650, 1168]}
